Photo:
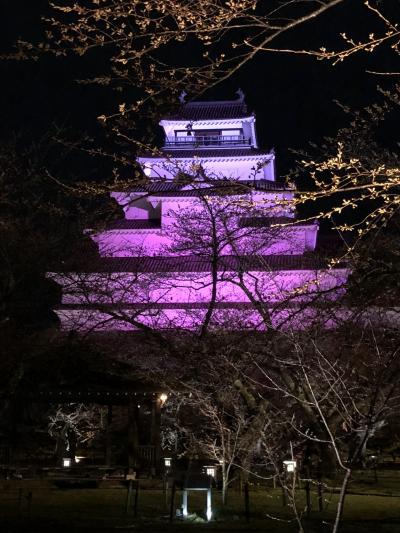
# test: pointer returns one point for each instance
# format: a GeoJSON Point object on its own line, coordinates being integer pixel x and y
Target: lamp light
{"type": "Point", "coordinates": [163, 398]}
{"type": "Point", "coordinates": [211, 471]}
{"type": "Point", "coordinates": [290, 466]}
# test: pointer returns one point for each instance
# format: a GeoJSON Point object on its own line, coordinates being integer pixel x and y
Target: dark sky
{"type": "Point", "coordinates": [291, 95]}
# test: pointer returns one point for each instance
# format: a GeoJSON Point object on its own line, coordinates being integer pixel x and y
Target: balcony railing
{"type": "Point", "coordinates": [191, 141]}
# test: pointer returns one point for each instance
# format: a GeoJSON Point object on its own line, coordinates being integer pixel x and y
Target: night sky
{"type": "Point", "coordinates": [291, 95]}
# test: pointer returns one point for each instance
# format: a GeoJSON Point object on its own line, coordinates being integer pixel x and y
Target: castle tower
{"type": "Point", "coordinates": [211, 239]}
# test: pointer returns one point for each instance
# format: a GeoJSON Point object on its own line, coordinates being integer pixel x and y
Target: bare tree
{"type": "Point", "coordinates": [356, 174]}
{"type": "Point", "coordinates": [138, 37]}
{"type": "Point", "coordinates": [337, 400]}
{"type": "Point", "coordinates": [74, 424]}
{"type": "Point", "coordinates": [214, 416]}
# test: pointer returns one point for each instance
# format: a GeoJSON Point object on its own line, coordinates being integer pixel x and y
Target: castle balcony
{"type": "Point", "coordinates": [197, 141]}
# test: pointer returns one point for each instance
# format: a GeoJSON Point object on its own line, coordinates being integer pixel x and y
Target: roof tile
{"type": "Point", "coordinates": [202, 264]}
{"type": "Point", "coordinates": [210, 111]}
{"type": "Point", "coordinates": [126, 223]}
{"type": "Point", "coordinates": [193, 152]}
{"type": "Point", "coordinates": [215, 187]}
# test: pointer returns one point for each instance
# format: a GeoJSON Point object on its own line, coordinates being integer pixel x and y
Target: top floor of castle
{"type": "Point", "coordinates": [219, 125]}
{"type": "Point", "coordinates": [218, 135]}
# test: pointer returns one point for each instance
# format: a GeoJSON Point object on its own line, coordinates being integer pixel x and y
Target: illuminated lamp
{"type": "Point", "coordinates": [211, 471]}
{"type": "Point", "coordinates": [163, 398]}
{"type": "Point", "coordinates": [290, 466]}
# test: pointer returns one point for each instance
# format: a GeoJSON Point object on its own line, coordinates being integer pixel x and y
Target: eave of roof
{"type": "Point", "coordinates": [178, 305]}
{"type": "Point", "coordinates": [265, 222]}
{"type": "Point", "coordinates": [134, 224]}
{"type": "Point", "coordinates": [211, 153]}
{"type": "Point", "coordinates": [212, 187]}
{"type": "Point", "coordinates": [184, 264]}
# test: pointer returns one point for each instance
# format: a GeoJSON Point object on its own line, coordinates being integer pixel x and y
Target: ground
{"type": "Point", "coordinates": [371, 507]}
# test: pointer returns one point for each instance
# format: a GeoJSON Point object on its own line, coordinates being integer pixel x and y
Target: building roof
{"type": "Point", "coordinates": [126, 223]}
{"type": "Point", "coordinates": [245, 222]}
{"type": "Point", "coordinates": [201, 264]}
{"type": "Point", "coordinates": [265, 222]}
{"type": "Point", "coordinates": [169, 305]}
{"type": "Point", "coordinates": [193, 152]}
{"type": "Point", "coordinates": [214, 187]}
{"type": "Point", "coordinates": [210, 111]}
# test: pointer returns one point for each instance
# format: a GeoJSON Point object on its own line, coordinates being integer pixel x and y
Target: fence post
{"type": "Point", "coordinates": [128, 496]}
{"type": "Point", "coordinates": [29, 497]}
{"type": "Point", "coordinates": [320, 490]}
{"type": "Point", "coordinates": [19, 500]}
{"type": "Point", "coordinates": [165, 491]}
{"type": "Point", "coordinates": [136, 500]}
{"type": "Point", "coordinates": [172, 504]}
{"type": "Point", "coordinates": [308, 492]}
{"type": "Point", "coordinates": [247, 501]}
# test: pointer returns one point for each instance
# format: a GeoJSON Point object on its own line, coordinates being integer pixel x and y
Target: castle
{"type": "Point", "coordinates": [209, 240]}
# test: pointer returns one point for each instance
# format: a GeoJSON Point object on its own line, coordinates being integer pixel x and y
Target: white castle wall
{"type": "Point", "coordinates": [165, 288]}
{"type": "Point", "coordinates": [220, 168]}
{"type": "Point", "coordinates": [125, 243]}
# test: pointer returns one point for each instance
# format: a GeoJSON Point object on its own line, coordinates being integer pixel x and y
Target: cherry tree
{"type": "Point", "coordinates": [338, 399]}
{"type": "Point", "coordinates": [74, 424]}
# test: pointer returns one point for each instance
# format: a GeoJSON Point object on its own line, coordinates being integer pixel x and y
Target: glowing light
{"type": "Point", "coordinates": [163, 398]}
{"type": "Point", "coordinates": [167, 461]}
{"type": "Point", "coordinates": [184, 503]}
{"type": "Point", "coordinates": [66, 462]}
{"type": "Point", "coordinates": [211, 471]}
{"type": "Point", "coordinates": [290, 466]}
{"type": "Point", "coordinates": [209, 509]}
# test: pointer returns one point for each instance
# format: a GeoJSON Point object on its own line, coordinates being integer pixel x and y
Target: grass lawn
{"type": "Point", "coordinates": [103, 510]}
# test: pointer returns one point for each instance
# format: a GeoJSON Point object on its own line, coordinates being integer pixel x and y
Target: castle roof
{"type": "Point", "coordinates": [193, 263]}
{"type": "Point", "coordinates": [228, 109]}
{"type": "Point", "coordinates": [134, 224]}
{"type": "Point", "coordinates": [149, 224]}
{"type": "Point", "coordinates": [213, 188]}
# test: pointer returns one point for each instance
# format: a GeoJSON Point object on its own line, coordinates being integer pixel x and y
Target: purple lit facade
{"type": "Point", "coordinates": [212, 237]}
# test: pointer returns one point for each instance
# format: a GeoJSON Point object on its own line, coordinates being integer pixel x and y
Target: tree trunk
{"type": "Point", "coordinates": [155, 437]}
{"type": "Point", "coordinates": [132, 434]}
{"type": "Point", "coordinates": [342, 496]}
{"type": "Point", "coordinates": [107, 450]}
{"type": "Point", "coordinates": [72, 441]}
{"type": "Point", "coordinates": [224, 486]}
{"type": "Point", "coordinates": [60, 452]}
